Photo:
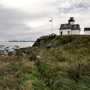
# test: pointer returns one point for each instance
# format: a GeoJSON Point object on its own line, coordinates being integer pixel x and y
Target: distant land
{"type": "Point", "coordinates": [20, 41]}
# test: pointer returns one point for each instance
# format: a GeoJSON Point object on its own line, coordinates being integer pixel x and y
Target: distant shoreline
{"type": "Point", "coordinates": [20, 41]}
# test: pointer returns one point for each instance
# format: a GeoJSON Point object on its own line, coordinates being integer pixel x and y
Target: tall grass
{"type": "Point", "coordinates": [64, 66]}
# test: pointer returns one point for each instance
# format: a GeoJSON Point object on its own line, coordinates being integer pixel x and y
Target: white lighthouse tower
{"type": "Point", "coordinates": [71, 21]}
{"type": "Point", "coordinates": [70, 28]}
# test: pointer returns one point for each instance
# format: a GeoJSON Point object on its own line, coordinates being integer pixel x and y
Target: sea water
{"type": "Point", "coordinates": [14, 45]}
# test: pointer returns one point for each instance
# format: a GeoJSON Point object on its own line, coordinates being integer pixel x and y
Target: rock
{"type": "Point", "coordinates": [16, 47]}
{"type": "Point", "coordinates": [24, 55]}
{"type": "Point", "coordinates": [1, 52]}
{"type": "Point", "coordinates": [39, 42]}
{"type": "Point", "coordinates": [11, 53]}
{"type": "Point", "coordinates": [48, 46]}
{"type": "Point", "coordinates": [43, 40]}
{"type": "Point", "coordinates": [8, 50]}
{"type": "Point", "coordinates": [38, 57]}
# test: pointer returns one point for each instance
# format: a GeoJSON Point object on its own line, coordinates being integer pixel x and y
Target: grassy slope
{"type": "Point", "coordinates": [65, 66]}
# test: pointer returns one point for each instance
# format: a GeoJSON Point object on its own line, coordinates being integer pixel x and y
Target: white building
{"type": "Point", "coordinates": [87, 31]}
{"type": "Point", "coordinates": [70, 28]}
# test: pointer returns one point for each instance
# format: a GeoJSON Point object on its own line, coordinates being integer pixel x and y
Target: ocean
{"type": "Point", "coordinates": [20, 44]}
{"type": "Point", "coordinates": [6, 47]}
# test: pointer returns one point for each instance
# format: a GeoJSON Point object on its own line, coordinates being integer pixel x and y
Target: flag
{"type": "Point", "coordinates": [50, 20]}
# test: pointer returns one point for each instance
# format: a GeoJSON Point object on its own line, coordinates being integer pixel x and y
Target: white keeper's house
{"type": "Point", "coordinates": [87, 31]}
{"type": "Point", "coordinates": [70, 28]}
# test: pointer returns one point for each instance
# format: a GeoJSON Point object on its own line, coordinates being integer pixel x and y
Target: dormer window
{"type": "Point", "coordinates": [75, 26]}
{"type": "Point", "coordinates": [65, 26]}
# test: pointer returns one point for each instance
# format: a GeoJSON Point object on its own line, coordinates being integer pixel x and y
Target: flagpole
{"type": "Point", "coordinates": [52, 25]}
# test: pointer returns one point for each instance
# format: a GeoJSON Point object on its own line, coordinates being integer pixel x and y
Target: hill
{"type": "Point", "coordinates": [53, 63]}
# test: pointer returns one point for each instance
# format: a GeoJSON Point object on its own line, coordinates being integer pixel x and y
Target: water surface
{"type": "Point", "coordinates": [20, 44]}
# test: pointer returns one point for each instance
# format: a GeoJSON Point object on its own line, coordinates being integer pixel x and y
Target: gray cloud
{"type": "Point", "coordinates": [12, 24]}
{"type": "Point", "coordinates": [73, 7]}
{"type": "Point", "coordinates": [13, 21]}
{"type": "Point", "coordinates": [83, 5]}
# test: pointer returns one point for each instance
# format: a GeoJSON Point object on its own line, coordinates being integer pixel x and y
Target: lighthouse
{"type": "Point", "coordinates": [71, 20]}
{"type": "Point", "coordinates": [70, 28]}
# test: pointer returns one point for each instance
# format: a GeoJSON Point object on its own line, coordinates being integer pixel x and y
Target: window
{"type": "Point", "coordinates": [68, 32]}
{"type": "Point", "coordinates": [61, 33]}
{"type": "Point", "coordinates": [65, 26]}
{"type": "Point", "coordinates": [75, 26]}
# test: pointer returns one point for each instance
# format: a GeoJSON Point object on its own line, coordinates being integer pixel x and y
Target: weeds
{"type": "Point", "coordinates": [65, 66]}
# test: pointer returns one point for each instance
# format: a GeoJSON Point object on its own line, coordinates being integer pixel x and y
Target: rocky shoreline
{"type": "Point", "coordinates": [8, 50]}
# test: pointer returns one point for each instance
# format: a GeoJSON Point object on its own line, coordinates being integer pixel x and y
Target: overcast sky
{"type": "Point", "coordinates": [29, 19]}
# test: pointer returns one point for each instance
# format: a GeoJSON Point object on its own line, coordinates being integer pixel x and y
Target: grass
{"type": "Point", "coordinates": [64, 66]}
